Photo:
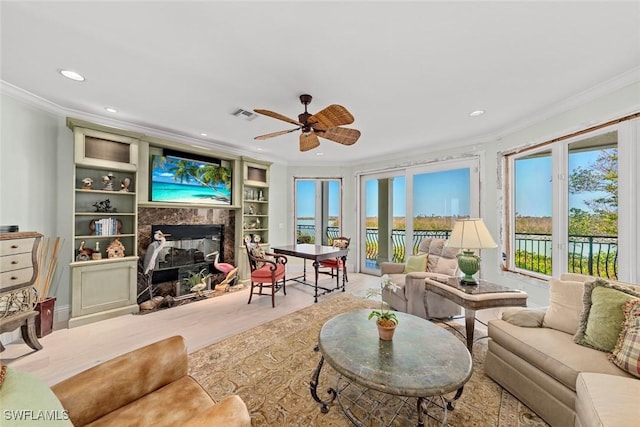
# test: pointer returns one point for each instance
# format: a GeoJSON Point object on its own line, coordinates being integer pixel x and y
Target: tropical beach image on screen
{"type": "Point", "coordinates": [179, 180]}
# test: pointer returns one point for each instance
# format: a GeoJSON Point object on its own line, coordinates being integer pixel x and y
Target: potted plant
{"type": "Point", "coordinates": [385, 318]}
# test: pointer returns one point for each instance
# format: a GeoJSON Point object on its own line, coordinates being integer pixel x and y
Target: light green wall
{"type": "Point", "coordinates": [36, 160]}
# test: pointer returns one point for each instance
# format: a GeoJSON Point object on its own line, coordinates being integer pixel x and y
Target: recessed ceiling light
{"type": "Point", "coordinates": [259, 149]}
{"type": "Point", "coordinates": [476, 113]}
{"type": "Point", "coordinates": [203, 134]}
{"type": "Point", "coordinates": [111, 110]}
{"type": "Point", "coordinates": [72, 75]}
{"type": "Point", "coordinates": [319, 154]}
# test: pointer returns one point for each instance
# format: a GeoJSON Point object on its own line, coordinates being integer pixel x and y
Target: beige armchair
{"type": "Point", "coordinates": [412, 296]}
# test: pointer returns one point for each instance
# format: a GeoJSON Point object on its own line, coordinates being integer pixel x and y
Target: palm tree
{"type": "Point", "coordinates": [207, 175]}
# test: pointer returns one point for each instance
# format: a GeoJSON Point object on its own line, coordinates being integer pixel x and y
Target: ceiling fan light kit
{"type": "Point", "coordinates": [325, 124]}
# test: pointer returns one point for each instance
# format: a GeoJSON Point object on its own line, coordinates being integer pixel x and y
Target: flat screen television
{"type": "Point", "coordinates": [177, 178]}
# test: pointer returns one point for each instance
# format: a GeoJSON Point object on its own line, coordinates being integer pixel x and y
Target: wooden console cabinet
{"type": "Point", "coordinates": [18, 272]}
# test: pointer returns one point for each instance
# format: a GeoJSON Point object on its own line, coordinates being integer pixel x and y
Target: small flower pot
{"type": "Point", "coordinates": [386, 332]}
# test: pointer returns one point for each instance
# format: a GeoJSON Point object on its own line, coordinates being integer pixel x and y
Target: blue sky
{"type": "Point", "coordinates": [438, 193]}
{"type": "Point", "coordinates": [447, 193]}
{"type": "Point", "coordinates": [305, 198]}
{"type": "Point", "coordinates": [533, 184]}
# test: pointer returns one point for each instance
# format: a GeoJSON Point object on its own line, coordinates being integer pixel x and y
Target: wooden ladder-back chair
{"type": "Point", "coordinates": [335, 264]}
{"type": "Point", "coordinates": [267, 271]}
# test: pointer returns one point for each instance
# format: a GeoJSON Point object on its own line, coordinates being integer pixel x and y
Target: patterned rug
{"type": "Point", "coordinates": [270, 367]}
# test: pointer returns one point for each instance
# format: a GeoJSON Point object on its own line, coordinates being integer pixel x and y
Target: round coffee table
{"type": "Point", "coordinates": [423, 361]}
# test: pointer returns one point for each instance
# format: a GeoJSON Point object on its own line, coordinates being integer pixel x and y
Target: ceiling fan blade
{"type": "Point", "coordinates": [278, 116]}
{"type": "Point", "coordinates": [271, 135]}
{"type": "Point", "coordinates": [344, 136]}
{"type": "Point", "coordinates": [308, 142]}
{"type": "Point", "coordinates": [332, 116]}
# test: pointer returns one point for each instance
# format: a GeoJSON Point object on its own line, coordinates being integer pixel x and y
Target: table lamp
{"type": "Point", "coordinates": [470, 234]}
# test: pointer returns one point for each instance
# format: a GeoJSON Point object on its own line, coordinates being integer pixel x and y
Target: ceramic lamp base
{"type": "Point", "coordinates": [469, 264]}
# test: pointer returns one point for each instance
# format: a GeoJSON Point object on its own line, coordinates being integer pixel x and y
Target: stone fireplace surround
{"type": "Point", "coordinates": [147, 217]}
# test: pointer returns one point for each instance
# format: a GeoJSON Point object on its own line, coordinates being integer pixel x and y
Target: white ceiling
{"type": "Point", "coordinates": [410, 72]}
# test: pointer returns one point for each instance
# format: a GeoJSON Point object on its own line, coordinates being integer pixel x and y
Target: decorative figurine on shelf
{"type": "Point", "coordinates": [251, 210]}
{"type": "Point", "coordinates": [96, 255]}
{"type": "Point", "coordinates": [260, 197]}
{"type": "Point", "coordinates": [87, 183]}
{"type": "Point", "coordinates": [107, 182]}
{"type": "Point", "coordinates": [125, 184]}
{"type": "Point", "coordinates": [115, 249]}
{"type": "Point", "coordinates": [257, 238]}
{"type": "Point", "coordinates": [104, 206]}
{"type": "Point", "coordinates": [84, 254]}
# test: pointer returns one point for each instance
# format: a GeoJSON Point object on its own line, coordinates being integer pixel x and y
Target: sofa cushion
{"type": "Point", "coordinates": [626, 354]}
{"type": "Point", "coordinates": [565, 305]}
{"type": "Point", "coordinates": [26, 401]}
{"type": "Point", "coordinates": [416, 263]}
{"type": "Point", "coordinates": [602, 316]}
{"type": "Point", "coordinates": [605, 400]}
{"type": "Point", "coordinates": [524, 317]}
{"type": "Point", "coordinates": [552, 352]}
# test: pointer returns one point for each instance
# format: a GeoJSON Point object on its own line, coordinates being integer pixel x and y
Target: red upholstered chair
{"type": "Point", "coordinates": [267, 271]}
{"type": "Point", "coordinates": [334, 264]}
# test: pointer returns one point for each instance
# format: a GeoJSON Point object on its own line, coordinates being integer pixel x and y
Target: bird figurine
{"type": "Point", "coordinates": [199, 288]}
{"type": "Point", "coordinates": [159, 241]}
{"type": "Point", "coordinates": [224, 267]}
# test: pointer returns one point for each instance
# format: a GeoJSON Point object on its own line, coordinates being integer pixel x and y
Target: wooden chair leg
{"type": "Point", "coordinates": [250, 293]}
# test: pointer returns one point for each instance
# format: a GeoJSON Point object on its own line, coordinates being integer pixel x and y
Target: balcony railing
{"type": "Point", "coordinates": [592, 255]}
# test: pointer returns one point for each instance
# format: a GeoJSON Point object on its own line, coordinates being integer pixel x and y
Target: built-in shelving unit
{"type": "Point", "coordinates": [255, 209]}
{"type": "Point", "coordinates": [104, 213]}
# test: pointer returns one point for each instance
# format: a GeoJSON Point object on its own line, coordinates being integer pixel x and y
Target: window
{"type": "Point", "coordinates": [563, 199]}
{"type": "Point", "coordinates": [403, 206]}
{"type": "Point", "coordinates": [318, 210]}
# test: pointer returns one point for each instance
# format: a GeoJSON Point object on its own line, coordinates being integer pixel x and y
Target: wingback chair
{"type": "Point", "coordinates": [335, 264]}
{"type": "Point", "coordinates": [412, 296]}
{"type": "Point", "coordinates": [267, 271]}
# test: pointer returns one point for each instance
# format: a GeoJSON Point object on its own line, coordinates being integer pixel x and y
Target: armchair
{"type": "Point", "coordinates": [269, 273]}
{"type": "Point", "coordinates": [412, 296]}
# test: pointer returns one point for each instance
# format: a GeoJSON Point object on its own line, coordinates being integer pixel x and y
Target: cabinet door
{"type": "Point", "coordinates": [103, 287]}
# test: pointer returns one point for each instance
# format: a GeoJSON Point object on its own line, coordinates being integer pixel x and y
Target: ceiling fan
{"type": "Point", "coordinates": [324, 124]}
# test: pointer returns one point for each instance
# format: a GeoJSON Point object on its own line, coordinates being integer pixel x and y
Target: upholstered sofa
{"type": "Point", "coordinates": [149, 386]}
{"type": "Point", "coordinates": [535, 355]}
{"type": "Point", "coordinates": [434, 259]}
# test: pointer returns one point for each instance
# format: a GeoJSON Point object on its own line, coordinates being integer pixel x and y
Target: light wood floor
{"type": "Point", "coordinates": [69, 351]}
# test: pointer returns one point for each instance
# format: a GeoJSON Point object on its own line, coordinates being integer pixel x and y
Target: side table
{"type": "Point", "coordinates": [476, 297]}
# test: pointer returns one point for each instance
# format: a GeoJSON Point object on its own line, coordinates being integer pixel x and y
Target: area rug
{"type": "Point", "coordinates": [270, 368]}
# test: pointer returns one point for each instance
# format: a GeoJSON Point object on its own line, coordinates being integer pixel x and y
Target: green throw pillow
{"type": "Point", "coordinates": [27, 401]}
{"type": "Point", "coordinates": [416, 263]}
{"type": "Point", "coordinates": [602, 316]}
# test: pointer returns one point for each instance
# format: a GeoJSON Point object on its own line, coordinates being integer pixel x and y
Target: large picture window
{"type": "Point", "coordinates": [562, 210]}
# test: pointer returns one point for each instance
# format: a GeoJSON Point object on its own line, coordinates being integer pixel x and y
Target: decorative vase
{"type": "Point", "coordinates": [386, 332]}
{"type": "Point", "coordinates": [44, 319]}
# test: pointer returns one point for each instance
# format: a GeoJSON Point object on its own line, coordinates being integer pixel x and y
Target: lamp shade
{"type": "Point", "coordinates": [471, 234]}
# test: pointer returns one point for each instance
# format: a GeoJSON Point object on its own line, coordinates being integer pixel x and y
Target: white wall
{"type": "Point", "coordinates": [616, 104]}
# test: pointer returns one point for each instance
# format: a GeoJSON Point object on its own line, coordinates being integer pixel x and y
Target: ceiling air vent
{"type": "Point", "coordinates": [244, 114]}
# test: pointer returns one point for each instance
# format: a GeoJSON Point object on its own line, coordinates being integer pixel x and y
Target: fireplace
{"type": "Point", "coordinates": [185, 252]}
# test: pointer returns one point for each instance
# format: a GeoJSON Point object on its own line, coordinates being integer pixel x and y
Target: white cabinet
{"type": "Point", "coordinates": [104, 272]}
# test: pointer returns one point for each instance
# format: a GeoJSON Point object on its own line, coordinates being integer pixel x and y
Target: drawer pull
{"type": "Point", "coordinates": [14, 278]}
{"type": "Point", "coordinates": [14, 262]}
{"type": "Point", "coordinates": [14, 246]}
